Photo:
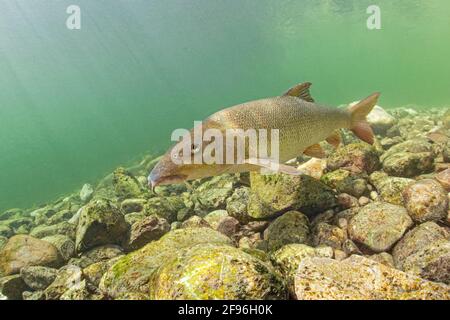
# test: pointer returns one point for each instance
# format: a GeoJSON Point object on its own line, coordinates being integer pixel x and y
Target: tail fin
{"type": "Point", "coordinates": [358, 113]}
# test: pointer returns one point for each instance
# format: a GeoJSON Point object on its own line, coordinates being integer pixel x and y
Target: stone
{"type": "Point", "coordinates": [98, 254]}
{"type": "Point", "coordinates": [165, 207]}
{"type": "Point", "coordinates": [237, 204]}
{"type": "Point", "coordinates": [291, 227]}
{"type": "Point", "coordinates": [195, 222]}
{"type": "Point", "coordinates": [63, 228]}
{"type": "Point", "coordinates": [356, 157]}
{"type": "Point", "coordinates": [325, 234]}
{"type": "Point", "coordinates": [146, 230]}
{"type": "Point", "coordinates": [426, 200]}
{"type": "Point", "coordinates": [443, 178]}
{"type": "Point", "coordinates": [11, 214]}
{"type": "Point", "coordinates": [133, 205]}
{"type": "Point", "coordinates": [215, 217]}
{"type": "Point", "coordinates": [61, 216]}
{"type": "Point", "coordinates": [86, 193]}
{"type": "Point", "coordinates": [12, 287]}
{"type": "Point", "coordinates": [274, 193]}
{"type": "Point", "coordinates": [64, 244]}
{"type": "Point", "coordinates": [314, 167]}
{"type": "Point", "coordinates": [379, 225]}
{"type": "Point", "coordinates": [380, 120]}
{"type": "Point", "coordinates": [229, 226]}
{"type": "Point", "coordinates": [425, 251]}
{"type": "Point", "coordinates": [390, 189]}
{"type": "Point", "coordinates": [383, 258]}
{"type": "Point", "coordinates": [66, 278]}
{"type": "Point", "coordinates": [78, 291]}
{"type": "Point", "coordinates": [346, 182]}
{"type": "Point", "coordinates": [360, 278]}
{"type": "Point", "coordinates": [37, 277]}
{"type": "Point", "coordinates": [213, 194]}
{"type": "Point", "coordinates": [21, 251]}
{"type": "Point", "coordinates": [6, 231]}
{"type": "Point", "coordinates": [101, 222]}
{"type": "Point", "coordinates": [125, 184]}
{"type": "Point", "coordinates": [33, 295]}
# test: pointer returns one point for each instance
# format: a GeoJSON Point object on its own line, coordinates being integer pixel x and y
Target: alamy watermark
{"type": "Point", "coordinates": [73, 22]}
{"type": "Point", "coordinates": [374, 20]}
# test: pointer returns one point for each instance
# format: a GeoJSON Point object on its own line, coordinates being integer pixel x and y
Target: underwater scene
{"type": "Point", "coordinates": [224, 150]}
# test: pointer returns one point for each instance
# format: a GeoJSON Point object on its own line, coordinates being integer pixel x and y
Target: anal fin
{"type": "Point", "coordinates": [334, 139]}
{"type": "Point", "coordinates": [315, 151]}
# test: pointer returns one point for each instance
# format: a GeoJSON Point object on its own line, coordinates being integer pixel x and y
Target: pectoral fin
{"type": "Point", "coordinates": [301, 91]}
{"type": "Point", "coordinates": [273, 166]}
{"type": "Point", "coordinates": [315, 151]}
{"type": "Point", "coordinates": [334, 139]}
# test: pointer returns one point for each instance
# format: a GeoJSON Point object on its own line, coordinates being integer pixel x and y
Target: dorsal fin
{"type": "Point", "coordinates": [301, 91]}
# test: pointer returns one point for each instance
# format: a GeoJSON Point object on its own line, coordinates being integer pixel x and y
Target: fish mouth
{"type": "Point", "coordinates": [173, 179]}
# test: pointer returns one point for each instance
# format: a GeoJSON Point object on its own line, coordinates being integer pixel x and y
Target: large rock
{"type": "Point", "coordinates": [67, 277]}
{"type": "Point", "coordinates": [64, 244]}
{"type": "Point", "coordinates": [380, 120]}
{"type": "Point", "coordinates": [379, 225]}
{"type": "Point", "coordinates": [409, 158]}
{"type": "Point", "coordinates": [22, 251]}
{"type": "Point", "coordinates": [425, 252]}
{"type": "Point", "coordinates": [6, 231]}
{"type": "Point", "coordinates": [97, 254]}
{"type": "Point", "coordinates": [213, 193]}
{"type": "Point", "coordinates": [146, 230]}
{"type": "Point", "coordinates": [165, 207]}
{"type": "Point", "coordinates": [291, 227]}
{"type": "Point", "coordinates": [133, 272]}
{"type": "Point", "coordinates": [346, 182]}
{"type": "Point", "coordinates": [359, 278]}
{"type": "Point", "coordinates": [208, 271]}
{"type": "Point", "coordinates": [86, 193]}
{"type": "Point", "coordinates": [237, 204]}
{"type": "Point", "coordinates": [356, 157]}
{"type": "Point", "coordinates": [63, 228]}
{"type": "Point", "coordinates": [101, 222]}
{"type": "Point", "coordinates": [274, 193]}
{"type": "Point", "coordinates": [426, 200]}
{"type": "Point", "coordinates": [390, 188]}
{"type": "Point", "coordinates": [125, 184]}
{"type": "Point", "coordinates": [37, 277]}
{"type": "Point", "coordinates": [12, 287]}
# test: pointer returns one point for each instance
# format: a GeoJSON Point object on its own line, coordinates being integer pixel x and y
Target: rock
{"type": "Point", "coordinates": [79, 291]}
{"type": "Point", "coordinates": [61, 216]}
{"type": "Point", "coordinates": [347, 201]}
{"type": "Point", "coordinates": [146, 230]}
{"type": "Point", "coordinates": [444, 179]}
{"type": "Point", "coordinates": [12, 287]}
{"type": "Point", "coordinates": [132, 273]}
{"type": "Point", "coordinates": [165, 207]}
{"type": "Point", "coordinates": [289, 257]}
{"type": "Point", "coordinates": [425, 252]}
{"type": "Point", "coordinates": [125, 184]}
{"type": "Point", "coordinates": [387, 143]}
{"type": "Point", "coordinates": [98, 254]}
{"type": "Point", "coordinates": [229, 226]}
{"type": "Point", "coordinates": [3, 241]}
{"type": "Point", "coordinates": [349, 247]}
{"type": "Point", "coordinates": [213, 193]}
{"type": "Point", "coordinates": [21, 251]}
{"type": "Point", "coordinates": [390, 188]}
{"type": "Point", "coordinates": [409, 158]}
{"type": "Point", "coordinates": [345, 182]}
{"type": "Point", "coordinates": [6, 231]}
{"type": "Point", "coordinates": [64, 244]}
{"type": "Point", "coordinates": [67, 277]}
{"type": "Point", "coordinates": [33, 295]}
{"type": "Point", "coordinates": [356, 157]}
{"type": "Point", "coordinates": [215, 217]}
{"type": "Point", "coordinates": [379, 225]}
{"type": "Point", "coordinates": [37, 277]}
{"type": "Point", "coordinates": [216, 272]}
{"type": "Point", "coordinates": [101, 222]}
{"type": "Point", "coordinates": [237, 204]}
{"type": "Point", "coordinates": [291, 227]}
{"type": "Point", "coordinates": [274, 193]}
{"type": "Point", "coordinates": [15, 223]}
{"type": "Point", "coordinates": [94, 272]}
{"type": "Point", "coordinates": [62, 228]}
{"type": "Point", "coordinates": [426, 200]}
{"type": "Point", "coordinates": [362, 201]}
{"type": "Point", "coordinates": [359, 278]}
{"type": "Point", "coordinates": [314, 167]}
{"type": "Point", "coordinates": [86, 193]}
{"type": "Point", "coordinates": [380, 120]}
{"type": "Point", "coordinates": [325, 234]}
{"type": "Point", "coordinates": [133, 205]}
{"type": "Point", "coordinates": [195, 222]}
{"type": "Point", "coordinates": [11, 214]}
{"type": "Point", "coordinates": [383, 258]}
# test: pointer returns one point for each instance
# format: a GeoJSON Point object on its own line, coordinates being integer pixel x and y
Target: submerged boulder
{"type": "Point", "coordinates": [237, 204]}
{"type": "Point", "coordinates": [67, 277]}
{"type": "Point", "coordinates": [125, 184]}
{"type": "Point", "coordinates": [37, 277]}
{"type": "Point", "coordinates": [63, 228]}
{"type": "Point", "coordinates": [213, 194]}
{"type": "Point", "coordinates": [86, 193]}
{"type": "Point", "coordinates": [274, 193]}
{"type": "Point", "coordinates": [379, 225]}
{"type": "Point", "coordinates": [21, 251]}
{"type": "Point", "coordinates": [146, 230]}
{"type": "Point", "coordinates": [359, 278]}
{"type": "Point", "coordinates": [356, 157]}
{"type": "Point", "coordinates": [12, 287]}
{"type": "Point", "coordinates": [390, 188]}
{"type": "Point", "coordinates": [380, 120]}
{"type": "Point", "coordinates": [101, 222]}
{"type": "Point", "coordinates": [165, 207]}
{"type": "Point", "coordinates": [64, 244]}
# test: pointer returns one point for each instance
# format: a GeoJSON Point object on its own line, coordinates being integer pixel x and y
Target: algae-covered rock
{"type": "Point", "coordinates": [94, 272]}
{"type": "Point", "coordinates": [379, 225]}
{"type": "Point", "coordinates": [425, 252]}
{"type": "Point", "coordinates": [86, 193]}
{"type": "Point", "coordinates": [22, 251]}
{"type": "Point", "coordinates": [195, 222]}
{"type": "Point", "coordinates": [215, 217]}
{"type": "Point", "coordinates": [237, 204]}
{"type": "Point", "coordinates": [64, 244]}
{"type": "Point", "coordinates": [165, 207]}
{"type": "Point", "coordinates": [97, 254]}
{"type": "Point", "coordinates": [63, 228]}
{"type": "Point", "coordinates": [132, 273]}
{"type": "Point", "coordinates": [345, 182]}
{"type": "Point", "coordinates": [133, 205]}
{"type": "Point", "coordinates": [11, 214]}
{"type": "Point", "coordinates": [37, 277]}
{"type": "Point", "coordinates": [33, 295]}
{"type": "Point", "coordinates": [390, 188]}
{"type": "Point", "coordinates": [101, 222]}
{"type": "Point", "coordinates": [380, 120]}
{"type": "Point", "coordinates": [125, 184]}
{"type": "Point", "coordinates": [273, 193]}
{"type": "Point", "coordinates": [359, 278]}
{"type": "Point", "coordinates": [60, 216]}
{"type": "Point", "coordinates": [426, 200]}
{"type": "Point", "coordinates": [79, 291]}
{"type": "Point", "coordinates": [66, 278]}
{"type": "Point", "coordinates": [356, 157]}
{"type": "Point", "coordinates": [12, 287]}
{"type": "Point", "coordinates": [146, 230]}
{"type": "Point", "coordinates": [325, 234]}
{"type": "Point", "coordinates": [206, 271]}
{"type": "Point", "coordinates": [3, 241]}
{"type": "Point", "coordinates": [291, 227]}
{"type": "Point", "coordinates": [444, 179]}
{"type": "Point", "coordinates": [6, 231]}
{"type": "Point", "coordinates": [409, 158]}
{"type": "Point", "coordinates": [213, 193]}
{"type": "Point", "coordinates": [383, 258]}
{"type": "Point", "coordinates": [314, 167]}
{"type": "Point", "coordinates": [289, 257]}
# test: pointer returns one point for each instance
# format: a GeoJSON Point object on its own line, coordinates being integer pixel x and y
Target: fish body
{"type": "Point", "coordinates": [300, 124]}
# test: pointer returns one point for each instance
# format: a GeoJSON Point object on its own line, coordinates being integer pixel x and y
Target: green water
{"type": "Point", "coordinates": [74, 104]}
